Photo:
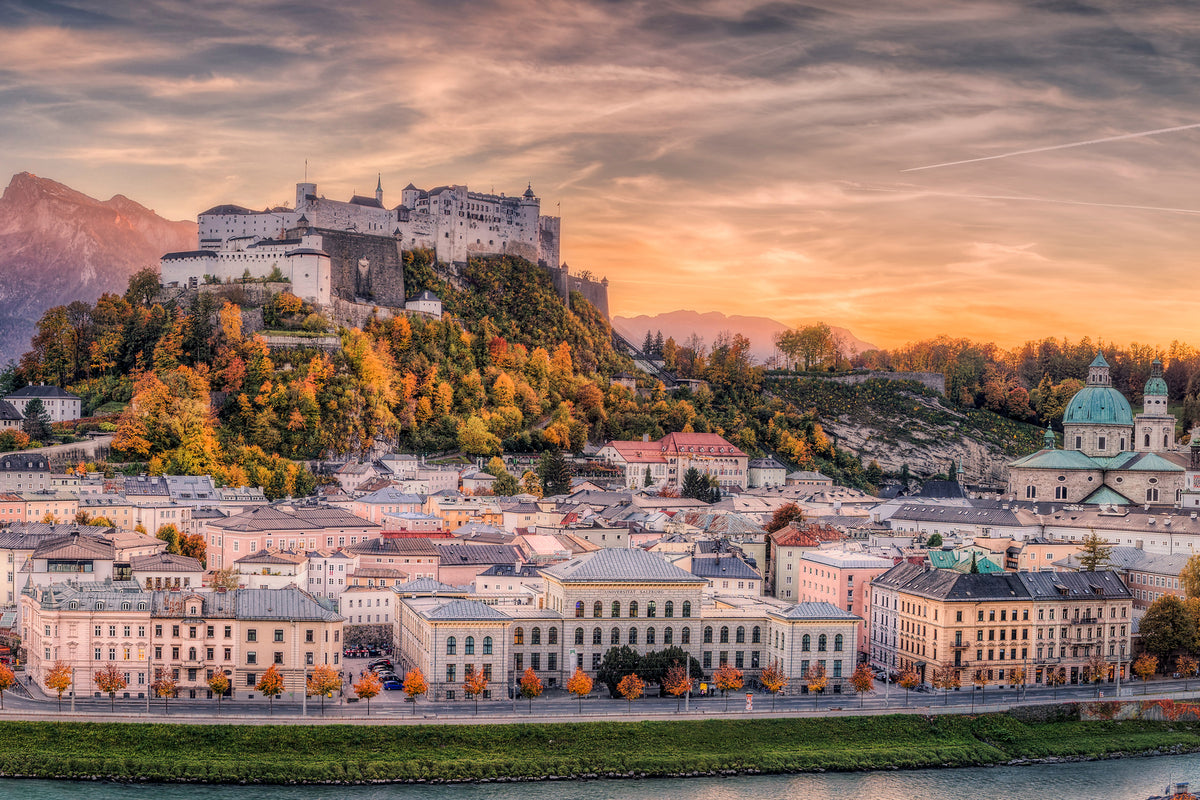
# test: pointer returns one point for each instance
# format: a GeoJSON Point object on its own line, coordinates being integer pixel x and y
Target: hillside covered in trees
{"type": "Point", "coordinates": [509, 367]}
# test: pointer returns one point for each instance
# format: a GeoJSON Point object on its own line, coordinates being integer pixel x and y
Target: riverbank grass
{"type": "Point", "coordinates": [344, 753]}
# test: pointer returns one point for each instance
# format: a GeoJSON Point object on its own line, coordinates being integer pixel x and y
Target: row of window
{"type": "Point", "coordinates": [634, 609]}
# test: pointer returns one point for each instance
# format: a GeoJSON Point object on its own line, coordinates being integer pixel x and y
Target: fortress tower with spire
{"type": "Point", "coordinates": [351, 250]}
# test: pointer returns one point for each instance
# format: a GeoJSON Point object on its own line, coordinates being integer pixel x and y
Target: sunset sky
{"type": "Point", "coordinates": [794, 160]}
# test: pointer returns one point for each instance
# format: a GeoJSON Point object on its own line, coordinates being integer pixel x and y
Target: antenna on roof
{"type": "Point", "coordinates": [306, 170]}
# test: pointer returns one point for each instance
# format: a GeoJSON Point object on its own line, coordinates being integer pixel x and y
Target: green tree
{"type": "Point", "coordinates": [1189, 576]}
{"type": "Point", "coordinates": [505, 485]}
{"type": "Point", "coordinates": [648, 480]}
{"type": "Point", "coordinates": [1167, 628]}
{"type": "Point", "coordinates": [934, 541]}
{"type": "Point", "coordinates": [143, 286]}
{"type": "Point", "coordinates": [37, 420]}
{"type": "Point", "coordinates": [695, 485]}
{"type": "Point", "coordinates": [616, 664]}
{"type": "Point", "coordinates": [1094, 552]}
{"type": "Point", "coordinates": [555, 473]}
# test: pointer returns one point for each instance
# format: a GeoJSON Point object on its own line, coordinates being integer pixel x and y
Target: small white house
{"type": "Point", "coordinates": [427, 303]}
{"type": "Point", "coordinates": [59, 404]}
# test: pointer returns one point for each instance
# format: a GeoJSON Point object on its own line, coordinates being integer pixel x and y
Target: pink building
{"type": "Point", "coordinates": [842, 577]}
{"type": "Point", "coordinates": [296, 529]}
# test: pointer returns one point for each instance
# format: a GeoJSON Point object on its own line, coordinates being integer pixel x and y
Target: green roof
{"type": "Point", "coordinates": [1056, 459]}
{"type": "Point", "coordinates": [1151, 462]}
{"type": "Point", "coordinates": [1098, 405]}
{"type": "Point", "coordinates": [1099, 361]}
{"type": "Point", "coordinates": [1107, 496]}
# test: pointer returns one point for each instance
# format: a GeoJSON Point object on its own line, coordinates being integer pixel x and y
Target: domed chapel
{"type": "Point", "coordinates": [1109, 456]}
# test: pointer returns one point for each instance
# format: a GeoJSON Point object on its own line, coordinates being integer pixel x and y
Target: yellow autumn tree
{"type": "Point", "coordinates": [580, 685]}
{"type": "Point", "coordinates": [323, 682]}
{"type": "Point", "coordinates": [773, 680]}
{"type": "Point", "coordinates": [58, 680]}
{"type": "Point", "coordinates": [531, 686]}
{"type": "Point", "coordinates": [728, 678]}
{"type": "Point", "coordinates": [631, 687]}
{"type": "Point", "coordinates": [7, 680]}
{"type": "Point", "coordinates": [476, 683]}
{"type": "Point", "coordinates": [415, 685]}
{"type": "Point", "coordinates": [218, 684]}
{"type": "Point", "coordinates": [110, 680]}
{"type": "Point", "coordinates": [271, 685]}
{"type": "Point", "coordinates": [368, 687]}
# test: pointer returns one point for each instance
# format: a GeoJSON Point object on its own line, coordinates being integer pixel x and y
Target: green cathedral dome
{"type": "Point", "coordinates": [1156, 385]}
{"type": "Point", "coordinates": [1098, 405]}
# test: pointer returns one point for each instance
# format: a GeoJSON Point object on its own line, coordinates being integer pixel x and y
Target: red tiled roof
{"type": "Point", "coordinates": [808, 536]}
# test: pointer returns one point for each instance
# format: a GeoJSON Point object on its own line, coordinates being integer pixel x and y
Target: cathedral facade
{"type": "Point", "coordinates": [1109, 456]}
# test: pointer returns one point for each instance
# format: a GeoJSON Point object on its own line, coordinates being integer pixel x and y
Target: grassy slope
{"type": "Point", "coordinates": [351, 753]}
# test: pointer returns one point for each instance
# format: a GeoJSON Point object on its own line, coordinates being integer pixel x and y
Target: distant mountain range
{"type": "Point", "coordinates": [682, 324]}
{"type": "Point", "coordinates": [58, 245]}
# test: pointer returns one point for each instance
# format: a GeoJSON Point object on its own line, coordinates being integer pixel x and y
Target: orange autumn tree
{"type": "Point", "coordinates": [475, 684]}
{"type": "Point", "coordinates": [1185, 665]}
{"type": "Point", "coordinates": [946, 678]}
{"type": "Point", "coordinates": [1016, 677]}
{"type": "Point", "coordinates": [631, 688]}
{"type": "Point", "coordinates": [271, 685]}
{"type": "Point", "coordinates": [531, 686]}
{"type": "Point", "coordinates": [773, 680]}
{"type": "Point", "coordinates": [1145, 666]}
{"type": "Point", "coordinates": [7, 681]}
{"type": "Point", "coordinates": [863, 681]}
{"type": "Point", "coordinates": [1056, 678]}
{"type": "Point", "coordinates": [580, 685]}
{"type": "Point", "coordinates": [323, 682]}
{"type": "Point", "coordinates": [370, 686]}
{"type": "Point", "coordinates": [218, 684]}
{"type": "Point", "coordinates": [728, 678]}
{"type": "Point", "coordinates": [677, 682]}
{"type": "Point", "coordinates": [909, 679]}
{"type": "Point", "coordinates": [817, 680]}
{"type": "Point", "coordinates": [415, 685]}
{"type": "Point", "coordinates": [165, 686]}
{"type": "Point", "coordinates": [58, 680]}
{"type": "Point", "coordinates": [110, 680]}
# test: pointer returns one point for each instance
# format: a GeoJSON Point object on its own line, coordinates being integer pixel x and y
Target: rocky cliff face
{"type": "Point", "coordinates": [58, 245]}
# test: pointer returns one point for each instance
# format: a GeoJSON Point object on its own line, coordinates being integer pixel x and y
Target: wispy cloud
{"type": "Point", "coordinates": [739, 155]}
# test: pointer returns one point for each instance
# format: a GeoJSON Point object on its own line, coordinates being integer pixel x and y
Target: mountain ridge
{"type": "Point", "coordinates": [58, 245]}
{"type": "Point", "coordinates": [683, 323]}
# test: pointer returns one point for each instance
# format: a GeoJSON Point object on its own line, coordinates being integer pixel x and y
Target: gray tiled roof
{"type": "Point", "coordinates": [281, 604]}
{"type": "Point", "coordinates": [465, 610]}
{"type": "Point", "coordinates": [22, 462]}
{"type": "Point", "coordinates": [395, 545]}
{"type": "Point", "coordinates": [43, 391]}
{"type": "Point", "coordinates": [425, 586]}
{"type": "Point", "coordinates": [814, 611]}
{"type": "Point", "coordinates": [620, 566]}
{"type": "Point", "coordinates": [723, 566]}
{"type": "Point", "coordinates": [165, 562]}
{"type": "Point", "coordinates": [460, 554]}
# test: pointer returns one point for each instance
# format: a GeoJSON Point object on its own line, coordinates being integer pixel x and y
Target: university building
{"type": "Point", "coordinates": [614, 598]}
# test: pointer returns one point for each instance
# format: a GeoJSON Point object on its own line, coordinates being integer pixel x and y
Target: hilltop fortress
{"type": "Point", "coordinates": [332, 250]}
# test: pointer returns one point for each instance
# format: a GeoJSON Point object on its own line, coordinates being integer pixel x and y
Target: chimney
{"type": "Point", "coordinates": [645, 437]}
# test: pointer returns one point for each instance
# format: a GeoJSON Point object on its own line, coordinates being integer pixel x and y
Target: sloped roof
{"type": "Point", "coordinates": [464, 610]}
{"type": "Point", "coordinates": [395, 545]}
{"type": "Point", "coordinates": [814, 611]}
{"type": "Point", "coordinates": [723, 566]}
{"type": "Point", "coordinates": [619, 566]}
{"type": "Point", "coordinates": [1108, 496]}
{"type": "Point", "coordinates": [281, 604]}
{"type": "Point", "coordinates": [456, 554]}
{"type": "Point", "coordinates": [165, 562]}
{"type": "Point", "coordinates": [53, 392]}
{"type": "Point", "coordinates": [1056, 459]}
{"type": "Point", "coordinates": [425, 586]}
{"type": "Point", "coordinates": [76, 546]}
{"type": "Point", "coordinates": [9, 412]}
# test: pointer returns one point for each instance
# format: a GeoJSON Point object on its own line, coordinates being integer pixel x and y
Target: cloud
{"type": "Point", "coordinates": [719, 154]}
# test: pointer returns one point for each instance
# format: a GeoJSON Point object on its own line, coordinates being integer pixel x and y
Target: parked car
{"type": "Point", "coordinates": [392, 684]}
{"type": "Point", "coordinates": [381, 662]}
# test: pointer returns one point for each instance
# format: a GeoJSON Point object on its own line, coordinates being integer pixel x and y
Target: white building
{"type": "Point", "coordinates": [61, 405]}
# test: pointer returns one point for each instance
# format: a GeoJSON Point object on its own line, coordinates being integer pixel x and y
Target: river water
{"type": "Point", "coordinates": [1127, 779]}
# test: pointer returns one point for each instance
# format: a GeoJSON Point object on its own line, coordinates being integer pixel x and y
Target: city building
{"type": "Point", "coordinates": [60, 405]}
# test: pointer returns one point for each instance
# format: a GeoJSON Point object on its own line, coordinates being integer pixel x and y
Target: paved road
{"type": "Point", "coordinates": [556, 705]}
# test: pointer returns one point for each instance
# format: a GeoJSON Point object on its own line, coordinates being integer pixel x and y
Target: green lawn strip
{"type": "Point", "coordinates": [275, 754]}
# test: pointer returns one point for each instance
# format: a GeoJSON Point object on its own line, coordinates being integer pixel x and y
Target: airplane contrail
{"type": "Point", "coordinates": [1030, 199]}
{"type": "Point", "coordinates": [1136, 135]}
